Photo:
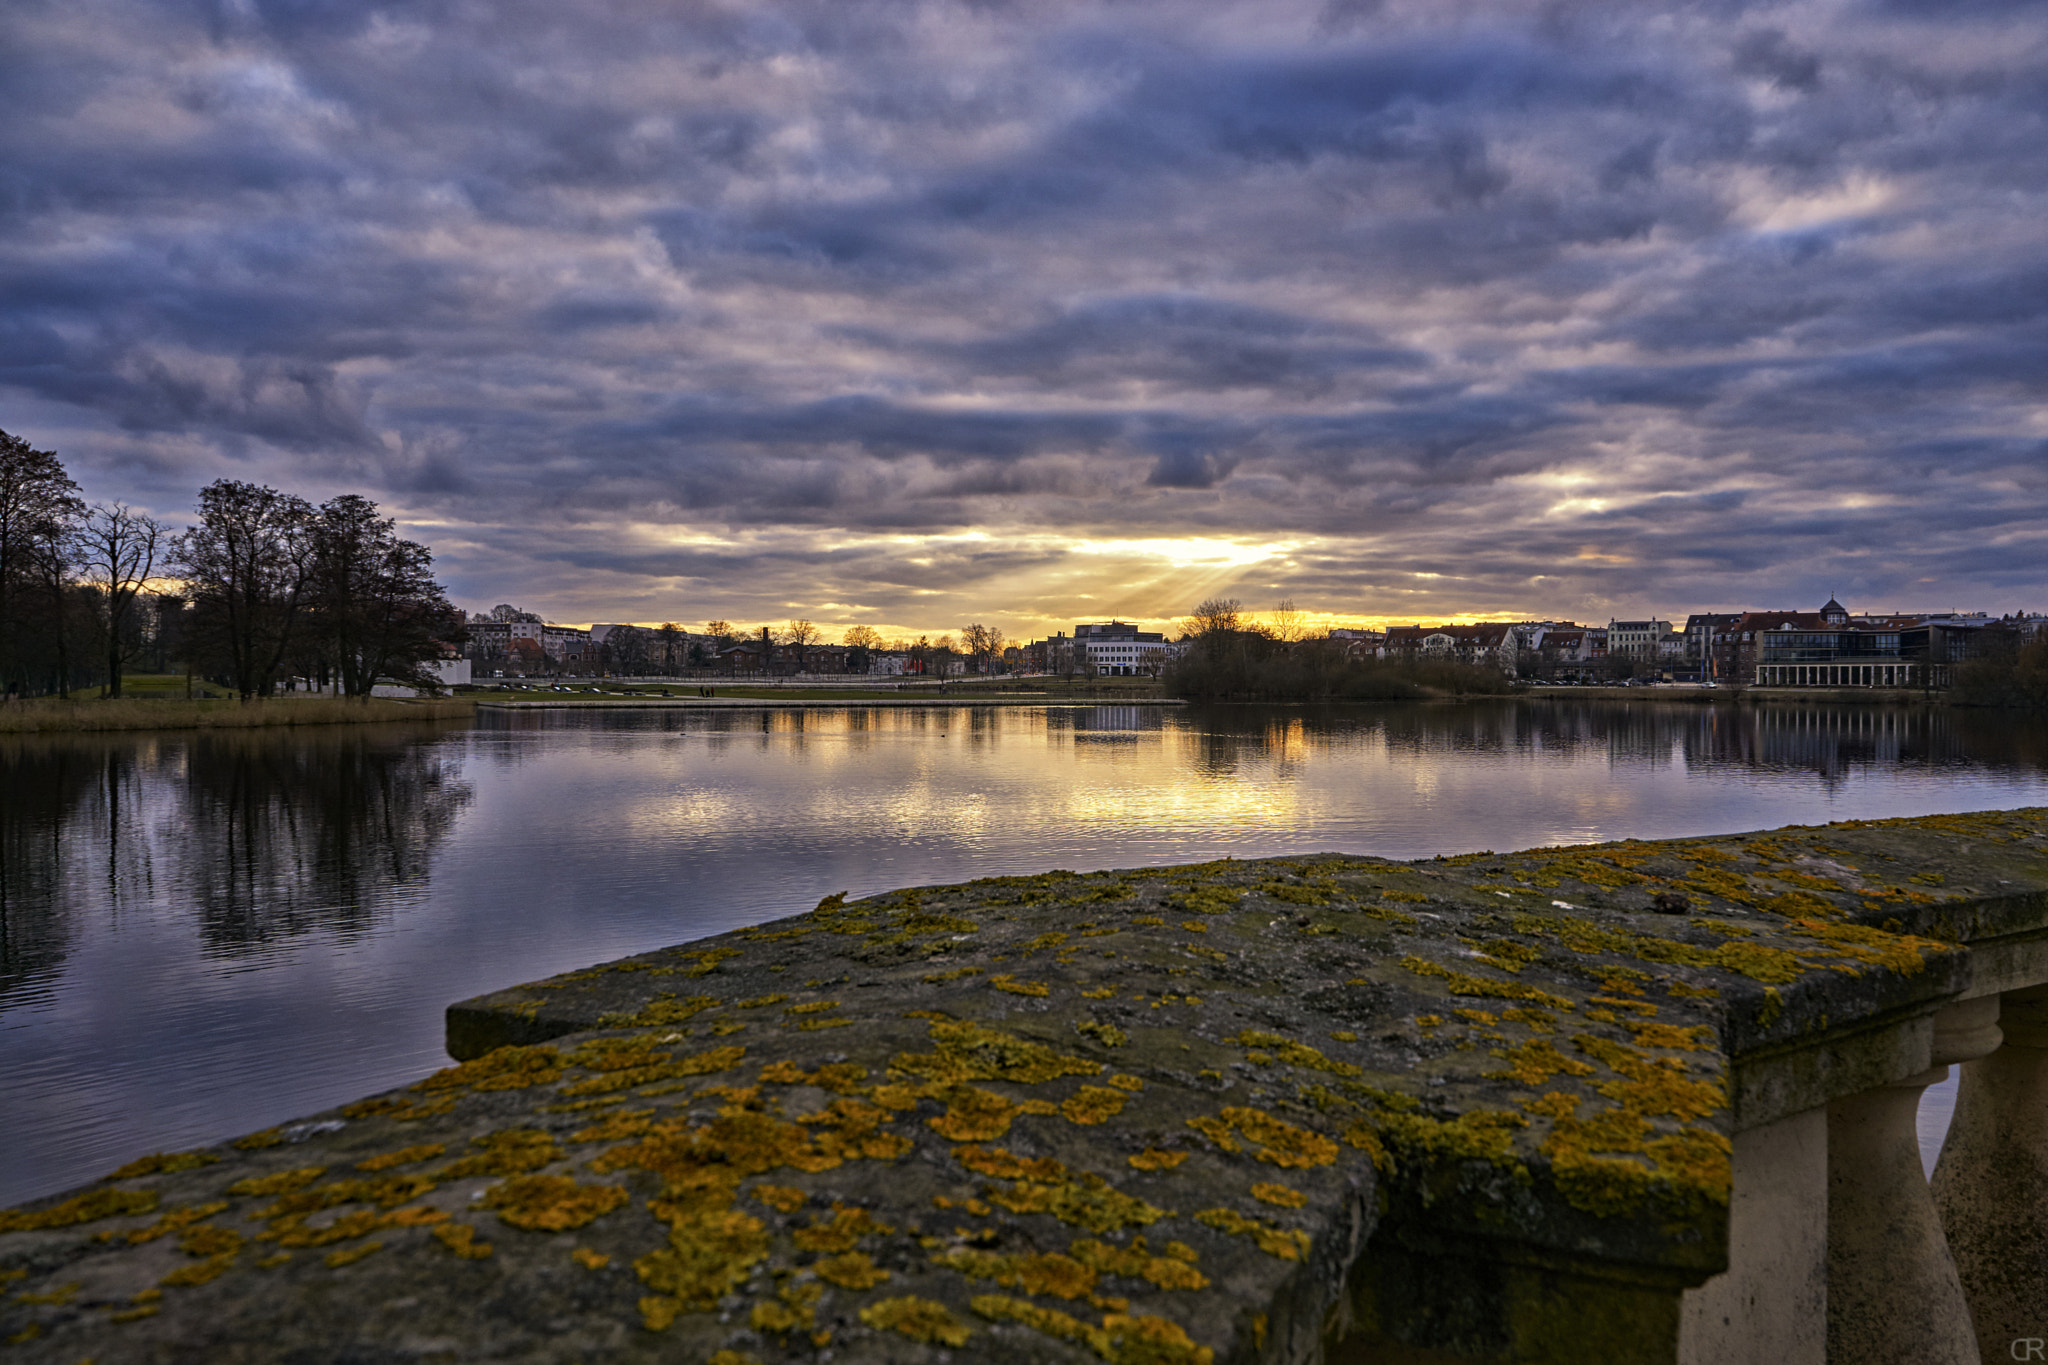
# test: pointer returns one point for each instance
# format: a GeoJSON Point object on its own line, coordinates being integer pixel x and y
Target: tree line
{"type": "Point", "coordinates": [263, 588]}
{"type": "Point", "coordinates": [669, 649]}
{"type": "Point", "coordinates": [1230, 656]}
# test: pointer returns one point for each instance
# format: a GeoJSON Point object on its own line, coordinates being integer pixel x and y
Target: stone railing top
{"type": "Point", "coordinates": [1144, 1116]}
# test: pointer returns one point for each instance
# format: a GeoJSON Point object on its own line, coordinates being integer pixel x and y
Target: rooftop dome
{"type": "Point", "coordinates": [1834, 611]}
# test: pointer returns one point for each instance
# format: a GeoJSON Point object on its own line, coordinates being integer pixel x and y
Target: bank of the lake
{"type": "Point", "coordinates": [45, 716]}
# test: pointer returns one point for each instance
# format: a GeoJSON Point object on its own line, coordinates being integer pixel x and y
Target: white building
{"type": "Point", "coordinates": [1122, 650]}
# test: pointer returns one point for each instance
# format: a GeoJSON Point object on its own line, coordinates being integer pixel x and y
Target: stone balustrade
{"type": "Point", "coordinates": [1632, 1102]}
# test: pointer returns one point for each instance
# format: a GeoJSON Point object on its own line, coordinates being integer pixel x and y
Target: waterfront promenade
{"type": "Point", "coordinates": [1629, 1102]}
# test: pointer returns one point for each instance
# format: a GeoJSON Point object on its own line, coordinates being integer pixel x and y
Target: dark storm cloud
{"type": "Point", "coordinates": [907, 312]}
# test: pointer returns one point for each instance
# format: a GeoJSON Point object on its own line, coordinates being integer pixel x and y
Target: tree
{"type": "Point", "coordinates": [248, 563]}
{"type": "Point", "coordinates": [375, 610]}
{"type": "Point", "coordinates": [863, 637]}
{"type": "Point", "coordinates": [625, 651]}
{"type": "Point", "coordinates": [668, 634]}
{"type": "Point", "coordinates": [800, 636]}
{"type": "Point", "coordinates": [38, 504]}
{"type": "Point", "coordinates": [118, 549]}
{"type": "Point", "coordinates": [1288, 625]}
{"type": "Point", "coordinates": [1215, 615]}
{"type": "Point", "coordinates": [984, 643]}
{"type": "Point", "coordinates": [720, 631]}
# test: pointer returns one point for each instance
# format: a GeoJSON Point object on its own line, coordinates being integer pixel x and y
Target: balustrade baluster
{"type": "Point", "coordinates": [1991, 1186]}
{"type": "Point", "coordinates": [1894, 1297]}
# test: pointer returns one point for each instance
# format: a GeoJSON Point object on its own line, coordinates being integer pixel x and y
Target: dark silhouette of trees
{"type": "Point", "coordinates": [118, 550]}
{"type": "Point", "coordinates": [248, 562]}
{"type": "Point", "coordinates": [375, 610]}
{"type": "Point", "coordinates": [983, 643]}
{"type": "Point", "coordinates": [39, 504]}
{"type": "Point", "coordinates": [800, 636]}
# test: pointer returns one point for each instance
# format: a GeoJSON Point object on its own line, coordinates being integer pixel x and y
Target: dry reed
{"type": "Point", "coordinates": [52, 717]}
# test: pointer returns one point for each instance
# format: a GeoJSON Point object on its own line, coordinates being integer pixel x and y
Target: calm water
{"type": "Point", "coordinates": [202, 934]}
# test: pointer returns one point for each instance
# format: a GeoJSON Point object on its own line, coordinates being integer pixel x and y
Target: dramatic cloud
{"type": "Point", "coordinates": [906, 313]}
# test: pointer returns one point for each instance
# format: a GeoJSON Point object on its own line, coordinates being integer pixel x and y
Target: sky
{"type": "Point", "coordinates": [913, 314]}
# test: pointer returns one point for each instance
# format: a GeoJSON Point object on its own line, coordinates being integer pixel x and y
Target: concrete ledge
{"type": "Point", "coordinates": [1296, 1109]}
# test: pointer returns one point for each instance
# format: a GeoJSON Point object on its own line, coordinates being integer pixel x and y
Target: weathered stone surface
{"type": "Point", "coordinates": [1144, 1116]}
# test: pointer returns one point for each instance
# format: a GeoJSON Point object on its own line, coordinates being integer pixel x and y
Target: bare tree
{"type": "Point", "coordinates": [1215, 615]}
{"type": "Point", "coordinates": [863, 637]}
{"type": "Point", "coordinates": [800, 636]}
{"type": "Point", "coordinates": [669, 633]}
{"type": "Point", "coordinates": [38, 504]}
{"type": "Point", "coordinates": [983, 643]}
{"type": "Point", "coordinates": [248, 562]}
{"type": "Point", "coordinates": [720, 631]}
{"type": "Point", "coordinates": [118, 550]}
{"type": "Point", "coordinates": [1288, 627]}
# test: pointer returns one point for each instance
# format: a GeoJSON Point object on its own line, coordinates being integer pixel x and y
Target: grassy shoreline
{"type": "Point", "coordinates": [85, 717]}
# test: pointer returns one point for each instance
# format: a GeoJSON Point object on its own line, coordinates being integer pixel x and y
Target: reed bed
{"type": "Point", "coordinates": [44, 716]}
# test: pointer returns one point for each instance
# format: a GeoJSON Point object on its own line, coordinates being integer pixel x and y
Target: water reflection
{"type": "Point", "coordinates": [275, 841]}
{"type": "Point", "coordinates": [257, 839]}
{"type": "Point", "coordinates": [204, 934]}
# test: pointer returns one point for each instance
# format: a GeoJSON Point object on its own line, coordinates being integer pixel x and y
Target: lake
{"type": "Point", "coordinates": [205, 933]}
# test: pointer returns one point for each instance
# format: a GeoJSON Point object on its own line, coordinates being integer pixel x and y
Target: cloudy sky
{"type": "Point", "coordinates": [915, 313]}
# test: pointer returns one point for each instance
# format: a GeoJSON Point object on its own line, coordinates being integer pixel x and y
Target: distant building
{"type": "Point", "coordinates": [1830, 648]}
{"type": "Point", "coordinates": [1499, 646]}
{"type": "Point", "coordinates": [1120, 649]}
{"type": "Point", "coordinates": [1638, 639]}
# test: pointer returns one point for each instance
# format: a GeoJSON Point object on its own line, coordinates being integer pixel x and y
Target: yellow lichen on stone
{"type": "Point", "coordinates": [1293, 1053]}
{"type": "Point", "coordinates": [589, 1259]}
{"type": "Point", "coordinates": [350, 1255]}
{"type": "Point", "coordinates": [1464, 983]}
{"type": "Point", "coordinates": [1004, 1165]}
{"type": "Point", "coordinates": [851, 1270]}
{"type": "Point", "coordinates": [919, 1319]}
{"type": "Point", "coordinates": [1280, 1142]}
{"type": "Point", "coordinates": [1109, 1035]}
{"type": "Point", "coordinates": [551, 1203]}
{"type": "Point", "coordinates": [660, 1067]}
{"type": "Point", "coordinates": [1086, 1201]}
{"type": "Point", "coordinates": [460, 1238]}
{"type": "Point", "coordinates": [1091, 1105]}
{"type": "Point", "coordinates": [274, 1137]}
{"type": "Point", "coordinates": [404, 1156]}
{"type": "Point", "coordinates": [710, 1253]}
{"type": "Point", "coordinates": [505, 1068]}
{"type": "Point", "coordinates": [1127, 1082]}
{"type": "Point", "coordinates": [1062, 1277]}
{"type": "Point", "coordinates": [781, 1198]}
{"type": "Point", "coordinates": [173, 1220]}
{"type": "Point", "coordinates": [796, 1309]}
{"type": "Point", "coordinates": [162, 1163]}
{"type": "Point", "coordinates": [1536, 1061]}
{"type": "Point", "coordinates": [515, 1151]}
{"type": "Point", "coordinates": [972, 1052]}
{"type": "Point", "coordinates": [1280, 1196]}
{"type": "Point", "coordinates": [52, 1298]}
{"type": "Point", "coordinates": [1153, 1159]}
{"type": "Point", "coordinates": [841, 1231]}
{"type": "Point", "coordinates": [1285, 1243]}
{"type": "Point", "coordinates": [279, 1182]}
{"type": "Point", "coordinates": [973, 1114]}
{"type": "Point", "coordinates": [1013, 986]}
{"type": "Point", "coordinates": [1174, 1270]}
